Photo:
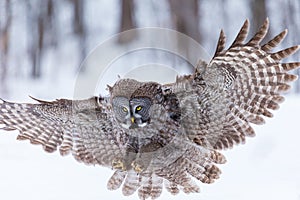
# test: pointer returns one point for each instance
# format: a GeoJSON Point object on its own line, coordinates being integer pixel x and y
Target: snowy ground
{"type": "Point", "coordinates": [267, 167]}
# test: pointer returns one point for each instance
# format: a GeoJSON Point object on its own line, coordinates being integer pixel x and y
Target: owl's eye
{"type": "Point", "coordinates": [125, 109]}
{"type": "Point", "coordinates": [138, 108]}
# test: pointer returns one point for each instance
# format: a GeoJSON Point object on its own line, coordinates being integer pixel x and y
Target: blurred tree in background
{"type": "Point", "coordinates": [127, 20]}
{"type": "Point", "coordinates": [5, 23]}
{"type": "Point", "coordinates": [79, 25]}
{"type": "Point", "coordinates": [30, 29]}
{"type": "Point", "coordinates": [258, 11]}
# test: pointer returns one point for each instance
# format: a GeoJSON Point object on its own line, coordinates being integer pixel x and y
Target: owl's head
{"type": "Point", "coordinates": [132, 101]}
{"type": "Point", "coordinates": [132, 113]}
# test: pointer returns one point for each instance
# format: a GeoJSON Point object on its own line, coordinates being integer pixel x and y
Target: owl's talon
{"type": "Point", "coordinates": [137, 167]}
{"type": "Point", "coordinates": [118, 164]}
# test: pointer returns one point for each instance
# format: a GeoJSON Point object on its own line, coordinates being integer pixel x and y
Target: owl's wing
{"type": "Point", "coordinates": [239, 86]}
{"type": "Point", "coordinates": [83, 127]}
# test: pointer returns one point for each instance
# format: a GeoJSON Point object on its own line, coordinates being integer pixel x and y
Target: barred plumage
{"type": "Point", "coordinates": [190, 120]}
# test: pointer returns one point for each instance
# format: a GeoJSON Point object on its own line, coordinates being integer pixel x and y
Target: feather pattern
{"type": "Point", "coordinates": [241, 86]}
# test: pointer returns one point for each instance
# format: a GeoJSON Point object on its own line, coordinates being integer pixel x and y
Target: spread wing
{"type": "Point", "coordinates": [83, 127]}
{"type": "Point", "coordinates": [239, 86]}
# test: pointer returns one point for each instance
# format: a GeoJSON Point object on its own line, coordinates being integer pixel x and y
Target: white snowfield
{"type": "Point", "coordinates": [266, 167]}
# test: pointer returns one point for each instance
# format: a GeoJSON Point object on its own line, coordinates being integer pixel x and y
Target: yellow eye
{"type": "Point", "coordinates": [138, 108]}
{"type": "Point", "coordinates": [125, 109]}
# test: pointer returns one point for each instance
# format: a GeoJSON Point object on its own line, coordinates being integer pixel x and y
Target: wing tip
{"type": "Point", "coordinates": [279, 55]}
{"type": "Point", "coordinates": [221, 43]}
{"type": "Point", "coordinates": [260, 34]}
{"type": "Point", "coordinates": [246, 22]}
{"type": "Point", "coordinates": [40, 101]}
{"type": "Point", "coordinates": [275, 41]}
{"type": "Point", "coordinates": [241, 36]}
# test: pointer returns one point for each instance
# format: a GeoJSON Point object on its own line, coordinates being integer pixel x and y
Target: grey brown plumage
{"type": "Point", "coordinates": [191, 120]}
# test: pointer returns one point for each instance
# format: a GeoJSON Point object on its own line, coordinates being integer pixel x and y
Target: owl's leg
{"type": "Point", "coordinates": [118, 164]}
{"type": "Point", "coordinates": [142, 161]}
{"type": "Point", "coordinates": [138, 168]}
{"type": "Point", "coordinates": [124, 163]}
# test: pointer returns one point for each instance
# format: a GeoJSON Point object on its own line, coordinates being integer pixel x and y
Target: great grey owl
{"type": "Point", "coordinates": [152, 134]}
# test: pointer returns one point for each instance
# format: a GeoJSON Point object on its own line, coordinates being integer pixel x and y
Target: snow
{"type": "Point", "coordinates": [266, 167]}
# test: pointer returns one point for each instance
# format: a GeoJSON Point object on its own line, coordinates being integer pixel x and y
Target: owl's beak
{"type": "Point", "coordinates": [132, 119]}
